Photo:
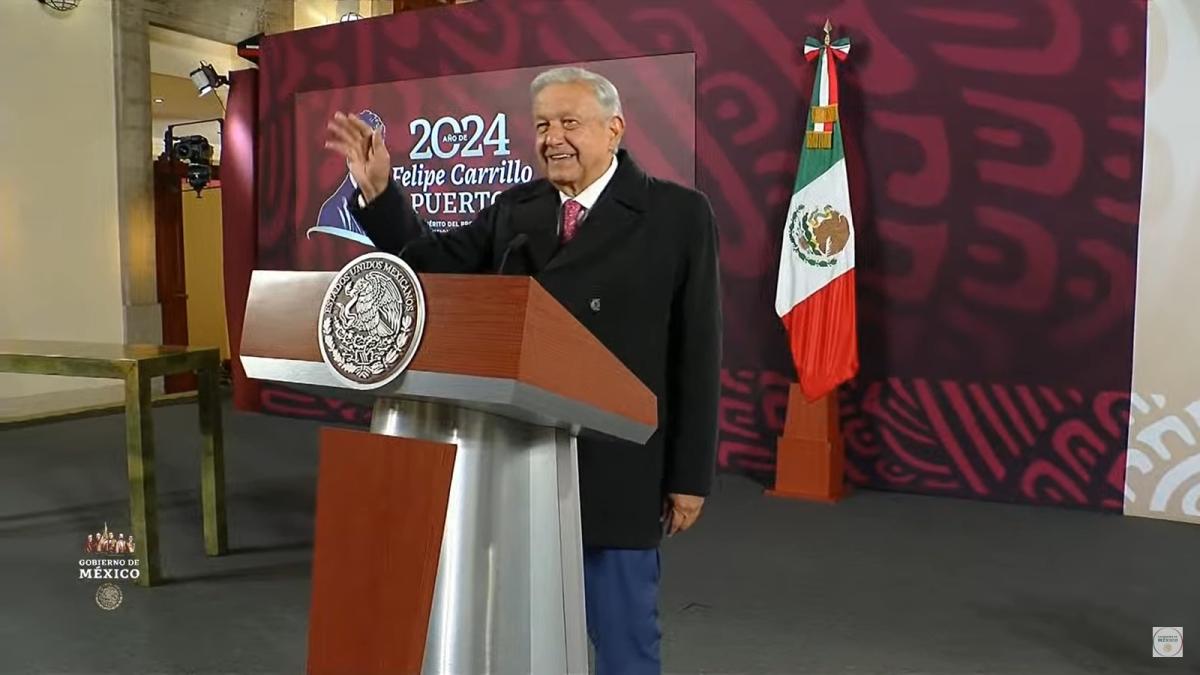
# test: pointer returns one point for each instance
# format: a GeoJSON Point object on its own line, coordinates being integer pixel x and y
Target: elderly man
{"type": "Point", "coordinates": [634, 259]}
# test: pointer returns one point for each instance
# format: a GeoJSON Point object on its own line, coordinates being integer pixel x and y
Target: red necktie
{"type": "Point", "coordinates": [572, 210]}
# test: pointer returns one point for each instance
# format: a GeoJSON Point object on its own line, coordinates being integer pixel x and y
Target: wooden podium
{"type": "Point", "coordinates": [448, 538]}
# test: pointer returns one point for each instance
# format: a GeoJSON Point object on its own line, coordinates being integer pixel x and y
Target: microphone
{"type": "Point", "coordinates": [518, 242]}
{"type": "Point", "coordinates": [404, 248]}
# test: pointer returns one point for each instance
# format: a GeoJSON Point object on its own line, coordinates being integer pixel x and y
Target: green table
{"type": "Point", "coordinates": [136, 364]}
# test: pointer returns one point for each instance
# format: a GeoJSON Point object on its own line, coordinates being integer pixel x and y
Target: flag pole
{"type": "Point", "coordinates": [810, 455]}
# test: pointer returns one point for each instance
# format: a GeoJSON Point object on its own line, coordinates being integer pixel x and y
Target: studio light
{"type": "Point", "coordinates": [206, 79]}
{"type": "Point", "coordinates": [61, 5]}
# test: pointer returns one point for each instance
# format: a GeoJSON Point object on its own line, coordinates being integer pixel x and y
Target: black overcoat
{"type": "Point", "coordinates": [642, 276]}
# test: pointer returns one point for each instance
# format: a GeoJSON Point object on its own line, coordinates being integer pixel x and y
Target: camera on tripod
{"type": "Point", "coordinates": [193, 149]}
{"type": "Point", "coordinates": [196, 152]}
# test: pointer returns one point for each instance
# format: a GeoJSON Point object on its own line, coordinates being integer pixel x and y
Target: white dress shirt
{"type": "Point", "coordinates": [587, 198]}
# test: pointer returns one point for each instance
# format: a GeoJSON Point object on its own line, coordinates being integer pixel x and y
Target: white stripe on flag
{"type": "Point", "coordinates": [823, 92]}
{"type": "Point", "coordinates": [797, 279]}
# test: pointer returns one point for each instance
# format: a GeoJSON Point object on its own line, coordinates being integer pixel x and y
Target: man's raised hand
{"type": "Point", "coordinates": [364, 150]}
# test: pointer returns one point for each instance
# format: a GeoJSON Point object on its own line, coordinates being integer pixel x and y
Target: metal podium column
{"type": "Point", "coordinates": [509, 591]}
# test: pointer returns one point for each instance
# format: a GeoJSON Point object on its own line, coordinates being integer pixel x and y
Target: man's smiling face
{"type": "Point", "coordinates": [575, 138]}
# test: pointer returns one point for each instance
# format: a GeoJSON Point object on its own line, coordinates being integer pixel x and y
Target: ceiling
{"type": "Point", "coordinates": [179, 100]}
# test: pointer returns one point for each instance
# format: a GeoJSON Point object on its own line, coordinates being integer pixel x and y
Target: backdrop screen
{"type": "Point", "coordinates": [994, 156]}
{"type": "Point", "coordinates": [458, 141]}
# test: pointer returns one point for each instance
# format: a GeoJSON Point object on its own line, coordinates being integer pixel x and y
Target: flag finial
{"type": "Point", "coordinates": [828, 30]}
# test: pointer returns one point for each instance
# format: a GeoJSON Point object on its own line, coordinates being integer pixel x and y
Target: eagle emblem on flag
{"type": "Point", "coordinates": [818, 235]}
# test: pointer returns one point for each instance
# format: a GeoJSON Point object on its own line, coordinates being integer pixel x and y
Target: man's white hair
{"type": "Point", "coordinates": [605, 91]}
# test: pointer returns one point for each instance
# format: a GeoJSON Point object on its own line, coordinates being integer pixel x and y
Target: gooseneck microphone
{"type": "Point", "coordinates": [517, 242]}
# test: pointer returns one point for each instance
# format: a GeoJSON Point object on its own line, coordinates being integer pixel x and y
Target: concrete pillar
{"type": "Point", "coordinates": [135, 177]}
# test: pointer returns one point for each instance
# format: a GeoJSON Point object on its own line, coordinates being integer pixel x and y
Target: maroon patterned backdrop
{"type": "Point", "coordinates": [994, 150]}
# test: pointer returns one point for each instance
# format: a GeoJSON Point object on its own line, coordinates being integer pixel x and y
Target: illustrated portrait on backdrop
{"type": "Point", "coordinates": [335, 218]}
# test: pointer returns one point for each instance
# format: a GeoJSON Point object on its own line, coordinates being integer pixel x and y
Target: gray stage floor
{"type": "Point", "coordinates": [880, 584]}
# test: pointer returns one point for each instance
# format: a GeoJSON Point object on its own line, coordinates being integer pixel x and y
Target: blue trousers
{"type": "Point", "coordinates": [621, 596]}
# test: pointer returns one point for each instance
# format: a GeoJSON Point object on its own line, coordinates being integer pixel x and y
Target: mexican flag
{"type": "Point", "coordinates": [815, 293]}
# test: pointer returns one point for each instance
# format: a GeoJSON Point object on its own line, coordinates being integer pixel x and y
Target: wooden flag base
{"type": "Point", "coordinates": [810, 457]}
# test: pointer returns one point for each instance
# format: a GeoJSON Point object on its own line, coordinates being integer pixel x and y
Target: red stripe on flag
{"type": "Point", "coordinates": [823, 332]}
{"type": "Point", "coordinates": [830, 64]}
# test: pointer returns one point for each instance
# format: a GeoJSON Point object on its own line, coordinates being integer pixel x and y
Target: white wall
{"type": "Point", "coordinates": [1162, 478]}
{"type": "Point", "coordinates": [59, 246]}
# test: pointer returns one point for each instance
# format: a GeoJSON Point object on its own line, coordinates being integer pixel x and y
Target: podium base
{"type": "Point", "coordinates": [381, 501]}
{"type": "Point", "coordinates": [508, 594]}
